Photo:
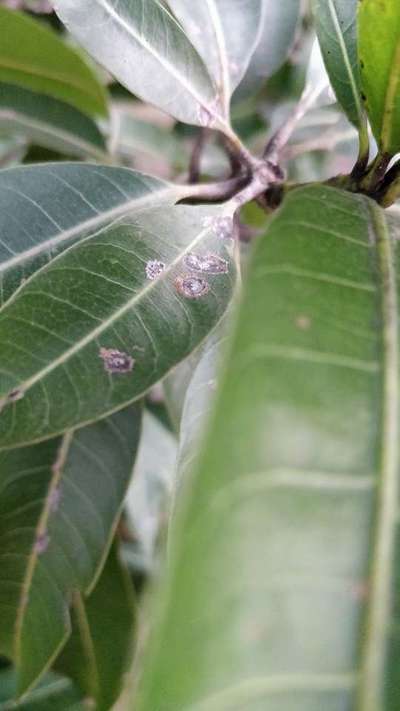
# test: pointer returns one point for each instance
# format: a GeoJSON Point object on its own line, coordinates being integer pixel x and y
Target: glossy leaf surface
{"type": "Point", "coordinates": [278, 25]}
{"type": "Point", "coordinates": [99, 651]}
{"type": "Point", "coordinates": [36, 58]}
{"type": "Point", "coordinates": [336, 22]}
{"type": "Point", "coordinates": [98, 302]}
{"type": "Point", "coordinates": [283, 586]}
{"type": "Point", "coordinates": [144, 47]}
{"type": "Point", "coordinates": [50, 123]}
{"type": "Point", "coordinates": [225, 34]}
{"type": "Point", "coordinates": [60, 502]}
{"type": "Point", "coordinates": [45, 209]}
{"type": "Point", "coordinates": [379, 51]}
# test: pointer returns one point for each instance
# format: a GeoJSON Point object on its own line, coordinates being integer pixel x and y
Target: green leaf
{"type": "Point", "coordinates": [276, 37]}
{"type": "Point", "coordinates": [149, 494]}
{"type": "Point", "coordinates": [283, 585]}
{"type": "Point", "coordinates": [199, 400]}
{"type": "Point", "coordinates": [99, 651]}
{"type": "Point", "coordinates": [225, 34]}
{"type": "Point", "coordinates": [45, 209]}
{"type": "Point", "coordinates": [95, 304]}
{"type": "Point", "coordinates": [49, 123]}
{"type": "Point", "coordinates": [155, 59]}
{"type": "Point", "coordinates": [53, 693]}
{"type": "Point", "coordinates": [60, 502]}
{"type": "Point", "coordinates": [336, 22]}
{"type": "Point", "coordinates": [133, 137]}
{"type": "Point", "coordinates": [379, 51]}
{"type": "Point", "coordinates": [34, 57]}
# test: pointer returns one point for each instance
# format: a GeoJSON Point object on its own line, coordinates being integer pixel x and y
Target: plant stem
{"type": "Point", "coordinates": [195, 160]}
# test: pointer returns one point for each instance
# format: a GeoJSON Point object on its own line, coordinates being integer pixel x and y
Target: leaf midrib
{"type": "Point", "coordinates": [92, 335]}
{"type": "Point", "coordinates": [41, 529]}
{"type": "Point", "coordinates": [162, 60]}
{"type": "Point", "coordinates": [53, 76]}
{"type": "Point", "coordinates": [346, 59]}
{"type": "Point", "coordinates": [92, 223]}
{"type": "Point", "coordinates": [372, 682]}
{"type": "Point", "coordinates": [222, 52]}
{"type": "Point", "coordinates": [26, 121]}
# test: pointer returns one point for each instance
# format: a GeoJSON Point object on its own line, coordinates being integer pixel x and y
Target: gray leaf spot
{"type": "Point", "coordinates": [223, 227]}
{"type": "Point", "coordinates": [209, 263]}
{"type": "Point", "coordinates": [154, 269]}
{"type": "Point", "coordinates": [116, 361]}
{"type": "Point", "coordinates": [192, 287]}
{"type": "Point", "coordinates": [41, 543]}
{"type": "Point", "coordinates": [303, 322]}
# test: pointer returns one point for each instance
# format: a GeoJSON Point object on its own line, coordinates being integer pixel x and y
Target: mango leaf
{"type": "Point", "coordinates": [34, 57]}
{"type": "Point", "coordinates": [289, 529]}
{"type": "Point", "coordinates": [336, 22]}
{"type": "Point", "coordinates": [99, 650]}
{"type": "Point", "coordinates": [225, 34]}
{"type": "Point", "coordinates": [49, 123]}
{"type": "Point", "coordinates": [278, 26]}
{"type": "Point", "coordinates": [60, 502]}
{"type": "Point", "coordinates": [110, 317]}
{"type": "Point", "coordinates": [198, 402]}
{"type": "Point", "coordinates": [45, 209]}
{"type": "Point", "coordinates": [148, 499]}
{"type": "Point", "coordinates": [134, 138]}
{"type": "Point", "coordinates": [53, 693]}
{"type": "Point", "coordinates": [155, 59]}
{"type": "Point", "coordinates": [379, 51]}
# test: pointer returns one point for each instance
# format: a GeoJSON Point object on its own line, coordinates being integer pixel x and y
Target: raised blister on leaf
{"type": "Point", "coordinates": [192, 287]}
{"type": "Point", "coordinates": [116, 361]}
{"type": "Point", "coordinates": [154, 269]}
{"type": "Point", "coordinates": [209, 263]}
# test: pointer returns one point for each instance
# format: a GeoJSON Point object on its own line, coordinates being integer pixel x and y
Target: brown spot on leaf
{"type": "Point", "coordinates": [116, 361]}
{"type": "Point", "coordinates": [303, 322]}
{"type": "Point", "coordinates": [192, 287]}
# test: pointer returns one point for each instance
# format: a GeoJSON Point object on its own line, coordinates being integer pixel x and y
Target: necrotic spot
{"type": "Point", "coordinates": [192, 287]}
{"type": "Point", "coordinates": [116, 361]}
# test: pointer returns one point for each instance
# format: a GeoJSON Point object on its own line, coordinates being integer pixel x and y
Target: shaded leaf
{"type": "Point", "coordinates": [49, 123]}
{"type": "Point", "coordinates": [225, 34]}
{"type": "Point", "coordinates": [53, 693]}
{"type": "Point", "coordinates": [199, 400]}
{"type": "Point", "coordinates": [336, 22]}
{"type": "Point", "coordinates": [155, 59]}
{"type": "Point", "coordinates": [276, 37]}
{"type": "Point", "coordinates": [289, 530]}
{"type": "Point", "coordinates": [149, 494]}
{"type": "Point", "coordinates": [379, 50]}
{"type": "Point", "coordinates": [60, 502]}
{"type": "Point", "coordinates": [135, 138]}
{"type": "Point", "coordinates": [34, 57]}
{"type": "Point", "coordinates": [105, 324]}
{"type": "Point", "coordinates": [45, 209]}
{"type": "Point", "coordinates": [99, 651]}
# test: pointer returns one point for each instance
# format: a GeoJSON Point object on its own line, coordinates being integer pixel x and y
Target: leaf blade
{"type": "Point", "coordinates": [25, 51]}
{"type": "Point", "coordinates": [56, 532]}
{"type": "Point", "coordinates": [277, 35]}
{"type": "Point", "coordinates": [100, 299]}
{"type": "Point", "coordinates": [154, 43]}
{"type": "Point", "coordinates": [99, 650]}
{"type": "Point", "coordinates": [225, 35]}
{"type": "Point", "coordinates": [337, 34]}
{"type": "Point", "coordinates": [285, 491]}
{"type": "Point", "coordinates": [61, 204]}
{"type": "Point", "coordinates": [379, 51]}
{"type": "Point", "coordinates": [49, 123]}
